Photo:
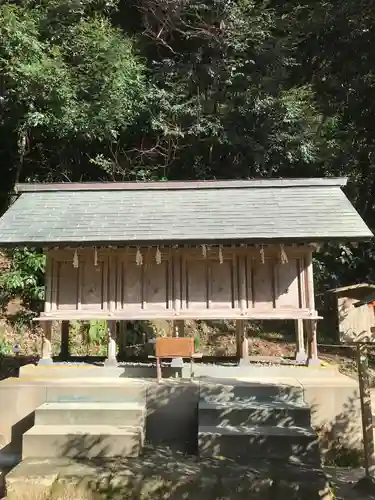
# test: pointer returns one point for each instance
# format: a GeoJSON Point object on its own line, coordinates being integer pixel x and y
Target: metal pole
{"type": "Point", "coordinates": [366, 413]}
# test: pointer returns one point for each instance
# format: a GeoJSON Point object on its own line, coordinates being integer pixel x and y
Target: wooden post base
{"type": "Point", "coordinates": [301, 355]}
{"type": "Point", "coordinates": [312, 354]}
{"type": "Point", "coordinates": [64, 350]}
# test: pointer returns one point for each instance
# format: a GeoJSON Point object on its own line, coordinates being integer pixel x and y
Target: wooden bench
{"type": "Point", "coordinates": [176, 347]}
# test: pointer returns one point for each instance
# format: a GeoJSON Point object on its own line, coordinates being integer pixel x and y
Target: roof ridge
{"type": "Point", "coordinates": [182, 185]}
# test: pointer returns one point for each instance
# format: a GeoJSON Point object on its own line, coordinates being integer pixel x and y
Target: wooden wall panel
{"type": "Point", "coordinates": [355, 323]}
{"type": "Point", "coordinates": [157, 285]}
{"type": "Point", "coordinates": [263, 285]}
{"type": "Point", "coordinates": [197, 281]}
{"type": "Point", "coordinates": [132, 285]}
{"type": "Point", "coordinates": [66, 282]}
{"type": "Point", "coordinates": [221, 280]}
{"type": "Point", "coordinates": [92, 284]}
{"type": "Point", "coordinates": [185, 280]}
{"type": "Point", "coordinates": [287, 290]}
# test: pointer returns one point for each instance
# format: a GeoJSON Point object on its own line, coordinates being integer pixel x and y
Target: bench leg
{"type": "Point", "coordinates": [158, 369]}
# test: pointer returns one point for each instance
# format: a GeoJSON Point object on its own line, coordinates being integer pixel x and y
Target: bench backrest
{"type": "Point", "coordinates": [177, 347]}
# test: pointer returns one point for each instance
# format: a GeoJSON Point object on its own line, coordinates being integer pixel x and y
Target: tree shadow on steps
{"type": "Point", "coordinates": [162, 472]}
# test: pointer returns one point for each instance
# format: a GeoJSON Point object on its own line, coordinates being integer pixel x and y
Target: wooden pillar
{"type": "Point", "coordinates": [312, 348]}
{"type": "Point", "coordinates": [64, 350]}
{"type": "Point", "coordinates": [111, 360]}
{"type": "Point", "coordinates": [46, 358]}
{"type": "Point", "coordinates": [301, 355]}
{"type": "Point", "coordinates": [123, 329]}
{"type": "Point", "coordinates": [239, 338]}
{"type": "Point", "coordinates": [366, 411]}
{"type": "Point", "coordinates": [242, 331]}
{"type": "Point", "coordinates": [178, 331]}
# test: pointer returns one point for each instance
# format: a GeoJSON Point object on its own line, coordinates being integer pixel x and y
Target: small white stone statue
{"type": "Point", "coordinates": [111, 359]}
{"type": "Point", "coordinates": [46, 348]}
{"type": "Point", "coordinates": [46, 358]}
{"type": "Point", "coordinates": [111, 346]}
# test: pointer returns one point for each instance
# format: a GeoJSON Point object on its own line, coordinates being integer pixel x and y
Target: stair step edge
{"type": "Point", "coordinates": [88, 405]}
{"type": "Point", "coordinates": [256, 430]}
{"type": "Point", "coordinates": [60, 430]}
{"type": "Point", "coordinates": [251, 405]}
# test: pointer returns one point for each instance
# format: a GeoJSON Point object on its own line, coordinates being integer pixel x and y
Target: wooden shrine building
{"type": "Point", "coordinates": [238, 250]}
{"type": "Point", "coordinates": [355, 312]}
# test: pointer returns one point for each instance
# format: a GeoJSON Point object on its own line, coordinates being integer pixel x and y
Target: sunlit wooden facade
{"type": "Point", "coordinates": [239, 250]}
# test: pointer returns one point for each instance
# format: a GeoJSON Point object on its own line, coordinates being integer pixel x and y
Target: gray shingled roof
{"type": "Point", "coordinates": [241, 211]}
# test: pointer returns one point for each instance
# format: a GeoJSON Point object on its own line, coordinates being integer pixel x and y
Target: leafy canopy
{"type": "Point", "coordinates": [67, 72]}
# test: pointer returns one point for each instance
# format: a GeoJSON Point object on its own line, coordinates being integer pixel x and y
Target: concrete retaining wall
{"type": "Point", "coordinates": [172, 411]}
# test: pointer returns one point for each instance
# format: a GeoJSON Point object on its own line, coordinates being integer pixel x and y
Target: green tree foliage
{"type": "Point", "coordinates": [220, 88]}
{"type": "Point", "coordinates": [68, 78]}
{"type": "Point", "coordinates": [24, 278]}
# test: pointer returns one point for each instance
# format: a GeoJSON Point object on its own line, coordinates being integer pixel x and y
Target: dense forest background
{"type": "Point", "coordinates": [189, 89]}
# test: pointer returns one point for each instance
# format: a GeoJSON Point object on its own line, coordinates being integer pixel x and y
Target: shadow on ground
{"type": "Point", "coordinates": [178, 464]}
{"type": "Point", "coordinates": [164, 470]}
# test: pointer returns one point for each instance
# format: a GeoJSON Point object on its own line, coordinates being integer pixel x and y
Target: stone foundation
{"type": "Point", "coordinates": [160, 474]}
{"type": "Point", "coordinates": [172, 405]}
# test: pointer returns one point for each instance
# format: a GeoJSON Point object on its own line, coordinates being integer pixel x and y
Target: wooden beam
{"type": "Point", "coordinates": [170, 315]}
{"type": "Point", "coordinates": [309, 281]}
{"type": "Point", "coordinates": [48, 284]}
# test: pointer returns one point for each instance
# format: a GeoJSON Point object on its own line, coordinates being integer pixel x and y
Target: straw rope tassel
{"type": "Point", "coordinates": [95, 257]}
{"type": "Point", "coordinates": [138, 257]}
{"type": "Point", "coordinates": [221, 260]}
{"type": "Point", "coordinates": [158, 255]}
{"type": "Point", "coordinates": [75, 260]}
{"type": "Point", "coordinates": [283, 255]}
{"type": "Point", "coordinates": [204, 251]}
{"type": "Point", "coordinates": [262, 259]}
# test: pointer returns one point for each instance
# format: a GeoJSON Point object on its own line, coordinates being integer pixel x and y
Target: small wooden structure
{"type": "Point", "coordinates": [238, 250]}
{"type": "Point", "coordinates": [169, 348]}
{"type": "Point", "coordinates": [355, 312]}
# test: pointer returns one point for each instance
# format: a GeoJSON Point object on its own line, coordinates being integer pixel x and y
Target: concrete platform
{"type": "Point", "coordinates": [172, 405]}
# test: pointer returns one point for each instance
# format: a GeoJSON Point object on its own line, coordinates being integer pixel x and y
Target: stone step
{"type": "Point", "coordinates": [78, 441]}
{"type": "Point", "coordinates": [240, 413]}
{"type": "Point", "coordinates": [151, 477]}
{"type": "Point", "coordinates": [243, 444]}
{"type": "Point", "coordinates": [251, 392]}
{"type": "Point", "coordinates": [95, 391]}
{"type": "Point", "coordinates": [77, 413]}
